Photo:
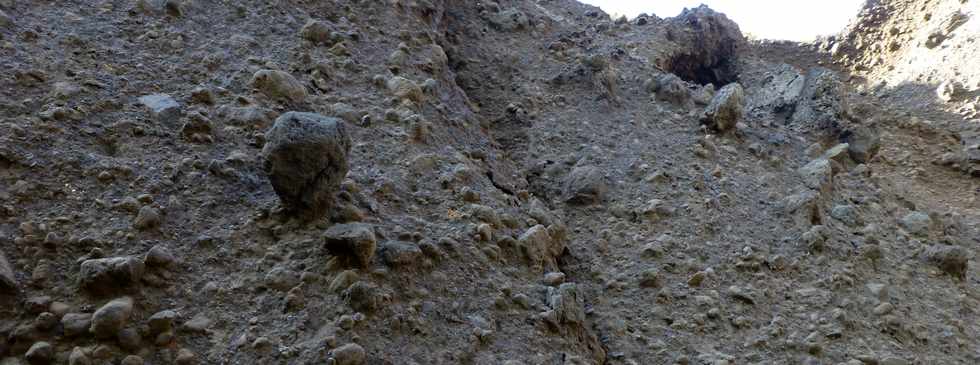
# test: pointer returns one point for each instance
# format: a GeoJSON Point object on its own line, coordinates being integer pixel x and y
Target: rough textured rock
{"type": "Point", "coordinates": [668, 87]}
{"type": "Point", "coordinates": [76, 324]}
{"type": "Point", "coordinates": [41, 353]}
{"type": "Point", "coordinates": [538, 245]}
{"type": "Point", "coordinates": [111, 317]}
{"type": "Point", "coordinates": [710, 43]}
{"type": "Point", "coordinates": [725, 109]}
{"type": "Point", "coordinates": [162, 108]}
{"type": "Point", "coordinates": [822, 104]}
{"type": "Point", "coordinates": [585, 185]}
{"type": "Point", "coordinates": [954, 260]}
{"type": "Point", "coordinates": [279, 85]}
{"type": "Point", "coordinates": [108, 275]}
{"type": "Point", "coordinates": [349, 354]}
{"type": "Point", "coordinates": [305, 157]}
{"type": "Point", "coordinates": [354, 240]}
{"type": "Point", "coordinates": [8, 282]}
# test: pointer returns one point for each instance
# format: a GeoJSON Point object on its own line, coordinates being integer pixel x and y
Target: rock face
{"type": "Point", "coordinates": [109, 275]}
{"type": "Point", "coordinates": [305, 158]}
{"type": "Point", "coordinates": [725, 109]}
{"type": "Point", "coordinates": [822, 104]}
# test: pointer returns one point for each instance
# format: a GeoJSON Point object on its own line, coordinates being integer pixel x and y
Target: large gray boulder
{"type": "Point", "coordinates": [726, 108]}
{"type": "Point", "coordinates": [305, 157]}
{"type": "Point", "coordinates": [585, 185]}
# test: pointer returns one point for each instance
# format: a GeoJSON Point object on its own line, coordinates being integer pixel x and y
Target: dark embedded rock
{"type": "Point", "coordinates": [104, 276]}
{"type": "Point", "coordinates": [305, 157]}
{"type": "Point", "coordinates": [355, 241]}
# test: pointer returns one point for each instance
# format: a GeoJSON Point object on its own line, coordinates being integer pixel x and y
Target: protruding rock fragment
{"type": "Point", "coordinates": [111, 318]}
{"type": "Point", "coordinates": [670, 88]}
{"type": "Point", "coordinates": [78, 357]}
{"type": "Point", "coordinates": [306, 159]}
{"type": "Point", "coordinates": [279, 84]}
{"type": "Point", "coordinates": [41, 353]}
{"type": "Point", "coordinates": [317, 32]}
{"type": "Point", "coordinates": [107, 275]}
{"type": "Point", "coordinates": [585, 185]}
{"type": "Point", "coordinates": [162, 108]}
{"type": "Point", "coordinates": [76, 324]}
{"type": "Point", "coordinates": [817, 175]}
{"type": "Point", "coordinates": [349, 354]}
{"type": "Point", "coordinates": [147, 218]}
{"type": "Point", "coordinates": [916, 223]}
{"type": "Point", "coordinates": [863, 143]}
{"type": "Point", "coordinates": [539, 247]}
{"type": "Point", "coordinates": [354, 240]}
{"type": "Point", "coordinates": [159, 256]}
{"type": "Point", "coordinates": [725, 109]}
{"type": "Point", "coordinates": [405, 89]}
{"type": "Point", "coordinates": [568, 304]}
{"type": "Point", "coordinates": [401, 254]}
{"type": "Point", "coordinates": [162, 321]}
{"type": "Point", "coordinates": [8, 283]}
{"type": "Point", "coordinates": [363, 297]}
{"type": "Point", "coordinates": [954, 260]}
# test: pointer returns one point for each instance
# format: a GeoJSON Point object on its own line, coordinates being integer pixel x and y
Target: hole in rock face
{"type": "Point", "coordinates": [696, 69]}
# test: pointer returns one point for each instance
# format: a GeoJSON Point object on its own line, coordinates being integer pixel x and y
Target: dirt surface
{"type": "Point", "coordinates": [479, 182]}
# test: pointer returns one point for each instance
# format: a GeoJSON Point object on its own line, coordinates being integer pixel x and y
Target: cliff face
{"type": "Point", "coordinates": [480, 182]}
